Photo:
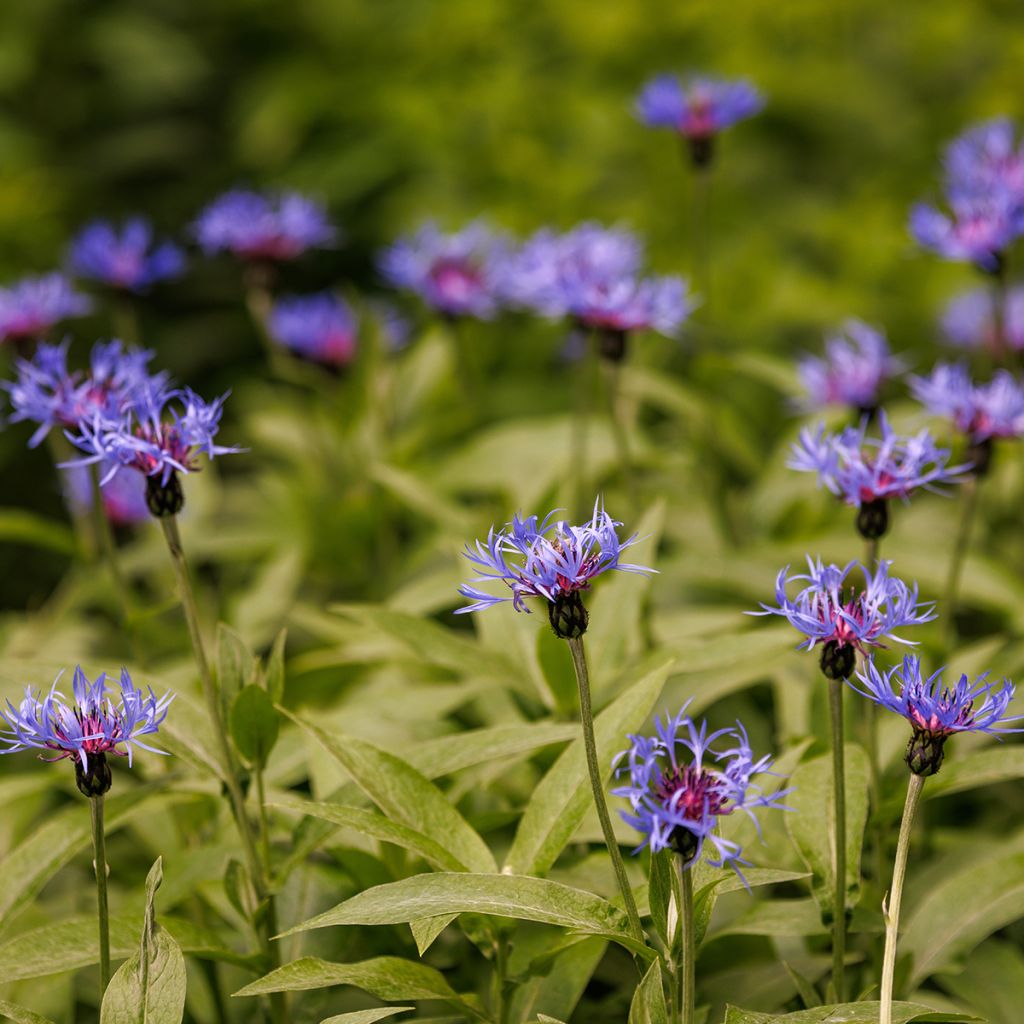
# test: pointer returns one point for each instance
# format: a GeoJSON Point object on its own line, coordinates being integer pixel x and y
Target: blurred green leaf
{"type": "Point", "coordinates": [851, 1013]}
{"type": "Point", "coordinates": [254, 724]}
{"type": "Point", "coordinates": [19, 526]}
{"type": "Point", "coordinates": [648, 1005]}
{"type": "Point", "coordinates": [366, 1016]}
{"type": "Point", "coordinates": [9, 1011]}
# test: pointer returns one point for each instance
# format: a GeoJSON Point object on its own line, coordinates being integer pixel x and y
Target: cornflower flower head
{"type": "Point", "coordinates": [697, 108]}
{"type": "Point", "coordinates": [985, 159]}
{"type": "Point", "coordinates": [127, 259]}
{"type": "Point", "coordinates": [124, 495]}
{"type": "Point", "coordinates": [47, 393]}
{"type": "Point", "coordinates": [843, 617]}
{"type": "Point", "coordinates": [263, 227]}
{"type": "Point", "coordinates": [549, 559]}
{"type": "Point", "coordinates": [969, 321]}
{"type": "Point", "coordinates": [680, 786]}
{"type": "Point", "coordinates": [93, 724]}
{"type": "Point", "coordinates": [33, 306]}
{"type": "Point", "coordinates": [856, 365]}
{"type": "Point", "coordinates": [935, 711]}
{"type": "Point", "coordinates": [160, 436]}
{"type": "Point", "coordinates": [457, 274]}
{"type": "Point", "coordinates": [977, 229]}
{"type": "Point", "coordinates": [321, 328]}
{"type": "Point", "coordinates": [865, 472]}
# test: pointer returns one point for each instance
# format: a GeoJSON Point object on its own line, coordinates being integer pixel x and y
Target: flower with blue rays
{"type": "Point", "coordinates": [683, 780]}
{"type": "Point", "coordinates": [969, 321]}
{"type": "Point", "coordinates": [698, 108]}
{"type": "Point", "coordinates": [161, 436]}
{"type": "Point", "coordinates": [457, 274]}
{"type": "Point", "coordinates": [96, 722]}
{"type": "Point", "coordinates": [124, 495]}
{"type": "Point", "coordinates": [264, 227]}
{"type": "Point", "coordinates": [866, 472]}
{"type": "Point", "coordinates": [321, 328]}
{"type": "Point", "coordinates": [936, 711]}
{"type": "Point", "coordinates": [977, 229]}
{"type": "Point", "coordinates": [843, 616]}
{"type": "Point", "coordinates": [550, 559]}
{"type": "Point", "coordinates": [856, 366]}
{"type": "Point", "coordinates": [32, 307]}
{"type": "Point", "coordinates": [128, 258]}
{"type": "Point", "coordinates": [986, 159]}
{"type": "Point", "coordinates": [46, 392]}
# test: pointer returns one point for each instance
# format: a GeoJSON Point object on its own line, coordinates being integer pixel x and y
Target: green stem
{"type": "Point", "coordinates": [613, 393]}
{"type": "Point", "coordinates": [499, 1006]}
{"type": "Point", "coordinates": [688, 947]}
{"type": "Point", "coordinates": [581, 421]}
{"type": "Point", "coordinates": [579, 660]}
{"type": "Point", "coordinates": [99, 845]}
{"type": "Point", "coordinates": [999, 345]}
{"type": "Point", "coordinates": [835, 695]}
{"type": "Point", "coordinates": [871, 555]}
{"type": "Point", "coordinates": [892, 908]}
{"type": "Point", "coordinates": [261, 796]}
{"type": "Point", "coordinates": [675, 951]}
{"type": "Point", "coordinates": [126, 320]}
{"type": "Point", "coordinates": [968, 503]}
{"type": "Point", "coordinates": [702, 242]}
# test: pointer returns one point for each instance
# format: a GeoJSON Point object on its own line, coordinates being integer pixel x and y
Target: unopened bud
{"type": "Point", "coordinates": [568, 616]}
{"type": "Point", "coordinates": [94, 780]}
{"type": "Point", "coordinates": [873, 518]}
{"type": "Point", "coordinates": [164, 499]}
{"type": "Point", "coordinates": [837, 661]}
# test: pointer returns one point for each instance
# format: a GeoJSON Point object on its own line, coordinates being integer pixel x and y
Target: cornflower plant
{"type": "Point", "coordinates": [935, 712]}
{"type": "Point", "coordinates": [127, 258]}
{"type": "Point", "coordinates": [31, 308]}
{"type": "Point", "coordinates": [556, 562]}
{"type": "Point", "coordinates": [85, 730]}
{"type": "Point", "coordinates": [845, 620]}
{"type": "Point", "coordinates": [320, 328]}
{"type": "Point", "coordinates": [679, 788]}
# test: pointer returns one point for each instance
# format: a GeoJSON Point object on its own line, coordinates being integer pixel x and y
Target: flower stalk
{"type": "Point", "coordinates": [99, 846]}
{"type": "Point", "coordinates": [687, 965]}
{"type": "Point", "coordinates": [968, 504]}
{"type": "Point", "coordinates": [835, 700]}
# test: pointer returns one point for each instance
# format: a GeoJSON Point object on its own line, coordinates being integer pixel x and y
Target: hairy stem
{"type": "Point", "coordinates": [835, 700]}
{"type": "Point", "coordinates": [891, 909]}
{"type": "Point", "coordinates": [99, 846]}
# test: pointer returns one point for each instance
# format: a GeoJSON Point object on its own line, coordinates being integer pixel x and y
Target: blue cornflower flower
{"type": "Point", "coordinates": [457, 274]}
{"type": "Point", "coordinates": [969, 320]}
{"type": "Point", "coordinates": [978, 229]}
{"type": "Point", "coordinates": [87, 728]}
{"type": "Point", "coordinates": [549, 559]}
{"type": "Point", "coordinates": [46, 392]}
{"type": "Point", "coordinates": [679, 787]}
{"type": "Point", "coordinates": [698, 108]}
{"type": "Point", "coordinates": [865, 472]}
{"type": "Point", "coordinates": [981, 411]}
{"type": "Point", "coordinates": [986, 159]}
{"type": "Point", "coordinates": [319, 327]}
{"type": "Point", "coordinates": [843, 618]}
{"type": "Point", "coordinates": [936, 712]}
{"type": "Point", "coordinates": [35, 305]}
{"type": "Point", "coordinates": [127, 259]}
{"type": "Point", "coordinates": [263, 228]}
{"type": "Point", "coordinates": [857, 364]}
{"type": "Point", "coordinates": [160, 436]}
{"type": "Point", "coordinates": [124, 495]}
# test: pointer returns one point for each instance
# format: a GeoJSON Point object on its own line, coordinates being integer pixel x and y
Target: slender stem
{"type": "Point", "coordinates": [499, 1007]}
{"type": "Point", "coordinates": [101, 528]}
{"type": "Point", "coordinates": [688, 946]}
{"type": "Point", "coordinates": [261, 796]}
{"type": "Point", "coordinates": [999, 340]}
{"type": "Point", "coordinates": [675, 950]}
{"type": "Point", "coordinates": [835, 700]}
{"type": "Point", "coordinates": [99, 845]}
{"type": "Point", "coordinates": [85, 536]}
{"type": "Point", "coordinates": [968, 503]}
{"type": "Point", "coordinates": [579, 660]}
{"type": "Point", "coordinates": [891, 909]}
{"type": "Point", "coordinates": [613, 393]}
{"type": "Point", "coordinates": [126, 320]}
{"type": "Point", "coordinates": [702, 239]}
{"type": "Point", "coordinates": [581, 420]}
{"type": "Point", "coordinates": [871, 555]}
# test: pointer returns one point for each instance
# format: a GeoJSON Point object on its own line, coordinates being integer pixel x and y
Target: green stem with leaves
{"type": "Point", "coordinates": [892, 908]}
{"type": "Point", "coordinates": [687, 966]}
{"type": "Point", "coordinates": [968, 503]}
{"type": "Point", "coordinates": [99, 846]}
{"type": "Point", "coordinates": [579, 660]}
{"type": "Point", "coordinates": [835, 700]}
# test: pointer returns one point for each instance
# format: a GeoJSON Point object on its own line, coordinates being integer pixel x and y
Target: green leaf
{"type": "Point", "coordinates": [10, 1011]}
{"type": "Point", "coordinates": [148, 988]}
{"type": "Point", "coordinates": [556, 664]}
{"type": "Point", "coordinates": [18, 526]}
{"type": "Point", "coordinates": [274, 675]}
{"type": "Point", "coordinates": [366, 1016]}
{"type": "Point", "coordinates": [850, 1013]}
{"type": "Point", "coordinates": [775, 917]}
{"type": "Point", "coordinates": [991, 982]}
{"type": "Point", "coordinates": [254, 724]}
{"type": "Point", "coordinates": [648, 1005]}
{"type": "Point", "coordinates": [810, 823]}
{"type": "Point", "coordinates": [405, 795]}
{"type": "Point", "coordinates": [563, 796]}
{"type": "Point", "coordinates": [426, 929]}
{"type": "Point", "coordinates": [234, 664]}
{"type": "Point", "coordinates": [1001, 763]}
{"type": "Point", "coordinates": [659, 892]}
{"type": "Point", "coordinates": [566, 975]}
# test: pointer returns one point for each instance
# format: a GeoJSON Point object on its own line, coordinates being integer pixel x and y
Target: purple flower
{"type": "Point", "coordinates": [456, 274]}
{"type": "Point", "coordinates": [318, 327]}
{"type": "Point", "coordinates": [679, 788]}
{"type": "Point", "coordinates": [46, 392]}
{"type": "Point", "coordinates": [978, 229]}
{"type": "Point", "coordinates": [986, 159]}
{"type": "Point", "coordinates": [981, 411]}
{"type": "Point", "coordinates": [857, 364]}
{"type": "Point", "coordinates": [549, 559]}
{"type": "Point", "coordinates": [263, 227]}
{"type": "Point", "coordinates": [35, 305]}
{"type": "Point", "coordinates": [843, 617]}
{"type": "Point", "coordinates": [87, 728]}
{"type": "Point", "coordinates": [128, 259]}
{"type": "Point", "coordinates": [124, 496]}
{"type": "Point", "coordinates": [969, 321]}
{"type": "Point", "coordinates": [698, 108]}
{"type": "Point", "coordinates": [936, 712]}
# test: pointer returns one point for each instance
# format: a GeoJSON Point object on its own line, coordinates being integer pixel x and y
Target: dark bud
{"type": "Point", "coordinates": [979, 455]}
{"type": "Point", "coordinates": [568, 616]}
{"type": "Point", "coordinates": [702, 149]}
{"type": "Point", "coordinates": [866, 412]}
{"type": "Point", "coordinates": [685, 843]}
{"type": "Point", "coordinates": [873, 519]}
{"type": "Point", "coordinates": [164, 499]}
{"type": "Point", "coordinates": [612, 344]}
{"type": "Point", "coordinates": [925, 753]}
{"type": "Point", "coordinates": [837, 662]}
{"type": "Point", "coordinates": [96, 779]}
